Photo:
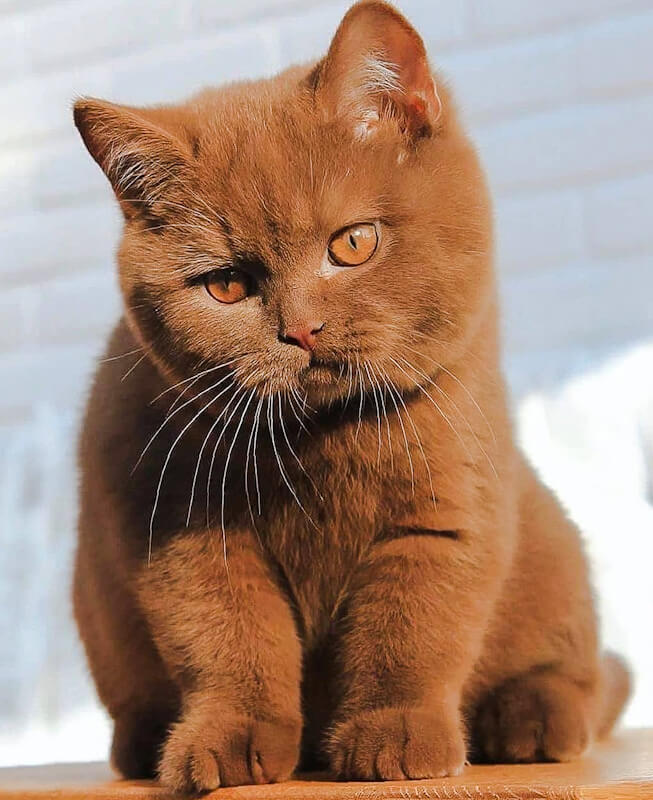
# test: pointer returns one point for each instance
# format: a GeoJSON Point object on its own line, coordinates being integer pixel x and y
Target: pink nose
{"type": "Point", "coordinates": [304, 336]}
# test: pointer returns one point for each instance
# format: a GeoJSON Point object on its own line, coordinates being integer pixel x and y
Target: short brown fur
{"type": "Point", "coordinates": [390, 592]}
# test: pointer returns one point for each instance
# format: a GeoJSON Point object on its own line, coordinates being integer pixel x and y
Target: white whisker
{"type": "Point", "coordinates": [282, 470]}
{"type": "Point", "coordinates": [122, 355]}
{"type": "Point", "coordinates": [249, 447]}
{"type": "Point", "coordinates": [226, 463]}
{"type": "Point", "coordinates": [195, 377]}
{"type": "Point", "coordinates": [294, 455]}
{"type": "Point", "coordinates": [378, 413]}
{"type": "Point", "coordinates": [459, 382]}
{"type": "Point", "coordinates": [240, 391]}
{"type": "Point", "coordinates": [421, 448]}
{"type": "Point", "coordinates": [174, 413]}
{"type": "Point", "coordinates": [293, 398]}
{"type": "Point", "coordinates": [435, 405]}
{"type": "Point", "coordinates": [385, 414]}
{"type": "Point", "coordinates": [471, 430]}
{"type": "Point", "coordinates": [165, 465]}
{"type": "Point", "coordinates": [133, 367]}
{"type": "Point", "coordinates": [257, 421]}
{"type": "Point", "coordinates": [213, 426]}
{"type": "Point", "coordinates": [391, 390]}
{"type": "Point", "coordinates": [361, 398]}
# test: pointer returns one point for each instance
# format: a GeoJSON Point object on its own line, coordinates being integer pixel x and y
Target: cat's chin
{"type": "Point", "coordinates": [321, 374]}
{"type": "Point", "coordinates": [322, 382]}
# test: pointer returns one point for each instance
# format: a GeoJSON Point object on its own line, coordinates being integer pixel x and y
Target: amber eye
{"type": "Point", "coordinates": [228, 285]}
{"type": "Point", "coordinates": [354, 245]}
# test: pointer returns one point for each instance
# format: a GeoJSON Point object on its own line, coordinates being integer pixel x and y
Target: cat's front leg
{"type": "Point", "coordinates": [227, 635]}
{"type": "Point", "coordinates": [410, 634]}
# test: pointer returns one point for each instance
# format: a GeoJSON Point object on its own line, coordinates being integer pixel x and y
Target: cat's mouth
{"type": "Point", "coordinates": [321, 370]}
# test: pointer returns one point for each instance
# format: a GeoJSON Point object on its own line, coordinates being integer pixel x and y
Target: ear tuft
{"type": "Point", "coordinates": [377, 68]}
{"type": "Point", "coordinates": [379, 76]}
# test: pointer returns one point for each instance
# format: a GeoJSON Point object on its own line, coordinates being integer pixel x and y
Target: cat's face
{"type": "Point", "coordinates": [321, 232]}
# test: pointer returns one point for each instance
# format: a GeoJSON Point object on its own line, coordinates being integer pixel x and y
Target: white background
{"type": "Point", "coordinates": [559, 97]}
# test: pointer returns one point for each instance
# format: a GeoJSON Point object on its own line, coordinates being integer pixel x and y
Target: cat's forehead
{"type": "Point", "coordinates": [275, 148]}
{"type": "Point", "coordinates": [280, 167]}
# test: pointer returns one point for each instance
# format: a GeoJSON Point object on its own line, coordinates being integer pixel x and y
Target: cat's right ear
{"type": "Point", "coordinates": [140, 157]}
{"type": "Point", "coordinates": [376, 69]}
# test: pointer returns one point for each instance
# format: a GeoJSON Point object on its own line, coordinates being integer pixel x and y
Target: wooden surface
{"type": "Point", "coordinates": [619, 769]}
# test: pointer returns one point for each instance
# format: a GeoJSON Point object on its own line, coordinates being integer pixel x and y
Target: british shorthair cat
{"type": "Point", "coordinates": [306, 535]}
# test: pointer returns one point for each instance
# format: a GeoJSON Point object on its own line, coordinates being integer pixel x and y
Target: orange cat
{"type": "Point", "coordinates": [306, 535]}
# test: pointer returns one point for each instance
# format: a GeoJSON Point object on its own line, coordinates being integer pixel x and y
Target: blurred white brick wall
{"type": "Point", "coordinates": [558, 95]}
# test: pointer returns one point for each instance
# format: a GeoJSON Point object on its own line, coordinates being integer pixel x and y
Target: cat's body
{"type": "Point", "coordinates": [382, 572]}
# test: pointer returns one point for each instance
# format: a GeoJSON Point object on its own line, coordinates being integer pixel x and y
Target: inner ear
{"type": "Point", "coordinates": [141, 157]}
{"type": "Point", "coordinates": [377, 68]}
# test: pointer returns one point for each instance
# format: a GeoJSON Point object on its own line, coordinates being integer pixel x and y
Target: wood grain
{"type": "Point", "coordinates": [618, 769]}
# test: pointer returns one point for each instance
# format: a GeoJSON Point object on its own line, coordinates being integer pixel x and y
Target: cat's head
{"type": "Point", "coordinates": [315, 231]}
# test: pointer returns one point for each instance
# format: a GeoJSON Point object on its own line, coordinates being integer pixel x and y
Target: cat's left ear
{"type": "Point", "coordinates": [377, 68]}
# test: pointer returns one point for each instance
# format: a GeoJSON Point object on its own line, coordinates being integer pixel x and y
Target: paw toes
{"type": "Point", "coordinates": [533, 720]}
{"type": "Point", "coordinates": [256, 767]}
{"type": "Point", "coordinates": [567, 735]}
{"type": "Point", "coordinates": [273, 751]}
{"type": "Point", "coordinates": [426, 761]}
{"type": "Point", "coordinates": [203, 770]}
{"type": "Point", "coordinates": [393, 744]}
{"type": "Point", "coordinates": [204, 754]}
{"type": "Point", "coordinates": [388, 767]}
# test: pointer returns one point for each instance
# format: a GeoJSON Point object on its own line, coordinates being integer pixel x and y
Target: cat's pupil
{"type": "Point", "coordinates": [352, 241]}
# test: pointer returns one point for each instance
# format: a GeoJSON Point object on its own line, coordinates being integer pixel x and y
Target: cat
{"type": "Point", "coordinates": [306, 536]}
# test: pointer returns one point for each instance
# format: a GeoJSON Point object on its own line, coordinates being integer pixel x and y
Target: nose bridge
{"type": "Point", "coordinates": [298, 305]}
{"type": "Point", "coordinates": [300, 319]}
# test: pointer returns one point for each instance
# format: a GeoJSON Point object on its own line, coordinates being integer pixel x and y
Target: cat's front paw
{"type": "Point", "coordinates": [397, 744]}
{"type": "Point", "coordinates": [533, 718]}
{"type": "Point", "coordinates": [211, 748]}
